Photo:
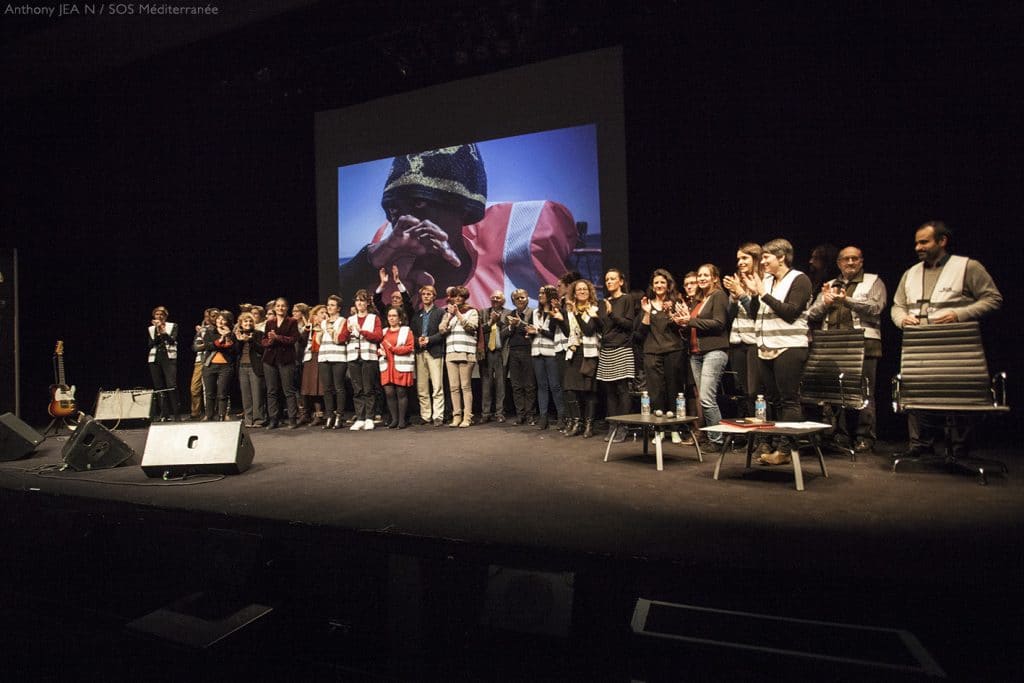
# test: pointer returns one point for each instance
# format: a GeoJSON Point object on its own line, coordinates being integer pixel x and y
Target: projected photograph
{"type": "Point", "coordinates": [515, 212]}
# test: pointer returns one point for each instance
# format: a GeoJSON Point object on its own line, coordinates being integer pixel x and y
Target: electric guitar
{"type": "Point", "coordinates": [62, 397]}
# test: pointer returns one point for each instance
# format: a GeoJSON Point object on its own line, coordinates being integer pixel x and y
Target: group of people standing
{"type": "Point", "coordinates": [556, 357]}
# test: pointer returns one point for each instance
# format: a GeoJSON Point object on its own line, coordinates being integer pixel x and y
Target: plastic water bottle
{"type": "Point", "coordinates": [645, 404]}
{"type": "Point", "coordinates": [761, 409]}
{"type": "Point", "coordinates": [680, 405]}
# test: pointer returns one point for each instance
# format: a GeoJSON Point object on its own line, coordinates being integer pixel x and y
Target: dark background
{"type": "Point", "coordinates": [170, 161]}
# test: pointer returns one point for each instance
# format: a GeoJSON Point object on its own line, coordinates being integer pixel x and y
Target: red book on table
{"type": "Point", "coordinates": [748, 424]}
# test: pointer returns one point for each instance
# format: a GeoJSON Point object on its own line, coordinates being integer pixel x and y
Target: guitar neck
{"type": "Point", "coordinates": [60, 370]}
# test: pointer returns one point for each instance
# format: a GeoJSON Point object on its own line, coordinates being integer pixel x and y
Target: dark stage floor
{"type": "Point", "coordinates": [399, 533]}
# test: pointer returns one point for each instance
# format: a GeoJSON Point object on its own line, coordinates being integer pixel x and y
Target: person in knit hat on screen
{"type": "Point", "coordinates": [439, 230]}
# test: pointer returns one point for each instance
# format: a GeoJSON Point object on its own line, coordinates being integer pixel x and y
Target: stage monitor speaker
{"type": "Point", "coordinates": [124, 404]}
{"type": "Point", "coordinates": [17, 439]}
{"type": "Point", "coordinates": [207, 447]}
{"type": "Point", "coordinates": [94, 447]}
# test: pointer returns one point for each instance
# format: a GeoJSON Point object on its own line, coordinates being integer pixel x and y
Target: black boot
{"type": "Point", "coordinates": [575, 427]}
{"type": "Point", "coordinates": [392, 401]}
{"type": "Point", "coordinates": [590, 407]}
{"type": "Point", "coordinates": [542, 421]}
{"type": "Point", "coordinates": [571, 412]}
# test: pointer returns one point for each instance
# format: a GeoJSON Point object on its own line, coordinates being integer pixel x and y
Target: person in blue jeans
{"type": "Point", "coordinates": [705, 328]}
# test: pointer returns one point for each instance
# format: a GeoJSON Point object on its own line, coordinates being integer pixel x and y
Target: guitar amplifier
{"type": "Point", "coordinates": [17, 439]}
{"type": "Point", "coordinates": [197, 447]}
{"type": "Point", "coordinates": [124, 404]}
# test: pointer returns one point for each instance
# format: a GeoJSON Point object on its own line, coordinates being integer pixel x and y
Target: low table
{"type": "Point", "coordinates": [807, 430]}
{"type": "Point", "coordinates": [652, 428]}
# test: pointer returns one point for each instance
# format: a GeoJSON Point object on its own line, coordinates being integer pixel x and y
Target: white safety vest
{"type": "Point", "coordinates": [459, 339]}
{"type": "Point", "coordinates": [307, 355]}
{"type": "Point", "coordinates": [948, 291]}
{"type": "Point", "coordinates": [591, 343]}
{"type": "Point", "coordinates": [742, 330]}
{"type": "Point", "coordinates": [172, 346]}
{"type": "Point", "coordinates": [541, 345]}
{"type": "Point", "coordinates": [358, 346]}
{"type": "Point", "coordinates": [561, 341]}
{"type": "Point", "coordinates": [872, 326]}
{"type": "Point", "coordinates": [331, 351]}
{"type": "Point", "coordinates": [772, 331]}
{"type": "Point", "coordinates": [403, 363]}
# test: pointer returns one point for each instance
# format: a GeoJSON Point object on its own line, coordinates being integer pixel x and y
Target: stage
{"type": "Point", "coordinates": [324, 519]}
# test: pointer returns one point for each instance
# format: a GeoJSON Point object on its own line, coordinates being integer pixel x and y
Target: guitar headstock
{"type": "Point", "coordinates": [59, 351]}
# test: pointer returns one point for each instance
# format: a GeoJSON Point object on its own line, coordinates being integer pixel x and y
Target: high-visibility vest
{"type": "Point", "coordinates": [171, 346]}
{"type": "Point", "coordinates": [403, 363]}
{"type": "Point", "coordinates": [358, 346]}
{"type": "Point", "coordinates": [772, 331]}
{"type": "Point", "coordinates": [948, 291]}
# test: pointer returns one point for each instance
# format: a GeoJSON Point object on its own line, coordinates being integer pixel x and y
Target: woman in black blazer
{"type": "Point", "coordinates": [279, 364]}
{"type": "Point", "coordinates": [706, 333]}
{"type": "Point", "coordinates": [219, 353]}
{"type": "Point", "coordinates": [250, 371]}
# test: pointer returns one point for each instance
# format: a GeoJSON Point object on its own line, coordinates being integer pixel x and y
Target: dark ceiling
{"type": "Point", "coordinates": [303, 48]}
{"type": "Point", "coordinates": [333, 53]}
{"type": "Point", "coordinates": [52, 53]}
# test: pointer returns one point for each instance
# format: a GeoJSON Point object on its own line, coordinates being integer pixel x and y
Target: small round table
{"type": "Point", "coordinates": [811, 431]}
{"type": "Point", "coordinates": [652, 428]}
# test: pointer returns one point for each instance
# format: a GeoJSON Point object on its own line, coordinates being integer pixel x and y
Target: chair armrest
{"type": "Point", "coordinates": [999, 389]}
{"type": "Point", "coordinates": [866, 388]}
{"type": "Point", "coordinates": [897, 385]}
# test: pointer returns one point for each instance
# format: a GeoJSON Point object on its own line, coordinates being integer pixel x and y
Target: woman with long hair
{"type": "Point", "coordinates": [362, 334]}
{"type": "Point", "coordinates": [278, 342]}
{"type": "Point", "coordinates": [460, 323]}
{"type": "Point", "coordinates": [742, 341]}
{"type": "Point", "coordinates": [310, 389]}
{"type": "Point", "coordinates": [541, 331]}
{"type": "Point", "coordinates": [250, 370]}
{"type": "Point", "coordinates": [332, 362]}
{"type": "Point", "coordinates": [397, 366]}
{"type": "Point", "coordinates": [616, 364]}
{"type": "Point", "coordinates": [706, 330]}
{"type": "Point", "coordinates": [163, 363]}
{"type": "Point", "coordinates": [300, 311]}
{"type": "Point", "coordinates": [780, 305]}
{"type": "Point", "coordinates": [564, 289]}
{"type": "Point", "coordinates": [219, 354]}
{"type": "Point", "coordinates": [662, 346]}
{"type": "Point", "coordinates": [580, 324]}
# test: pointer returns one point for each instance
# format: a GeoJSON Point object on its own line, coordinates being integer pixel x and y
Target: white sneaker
{"type": "Point", "coordinates": [357, 425]}
{"type": "Point", "coordinates": [676, 438]}
{"type": "Point", "coordinates": [368, 426]}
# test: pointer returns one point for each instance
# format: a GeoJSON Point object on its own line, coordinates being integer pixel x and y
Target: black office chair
{"type": "Point", "coordinates": [833, 377]}
{"type": "Point", "coordinates": [943, 371]}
